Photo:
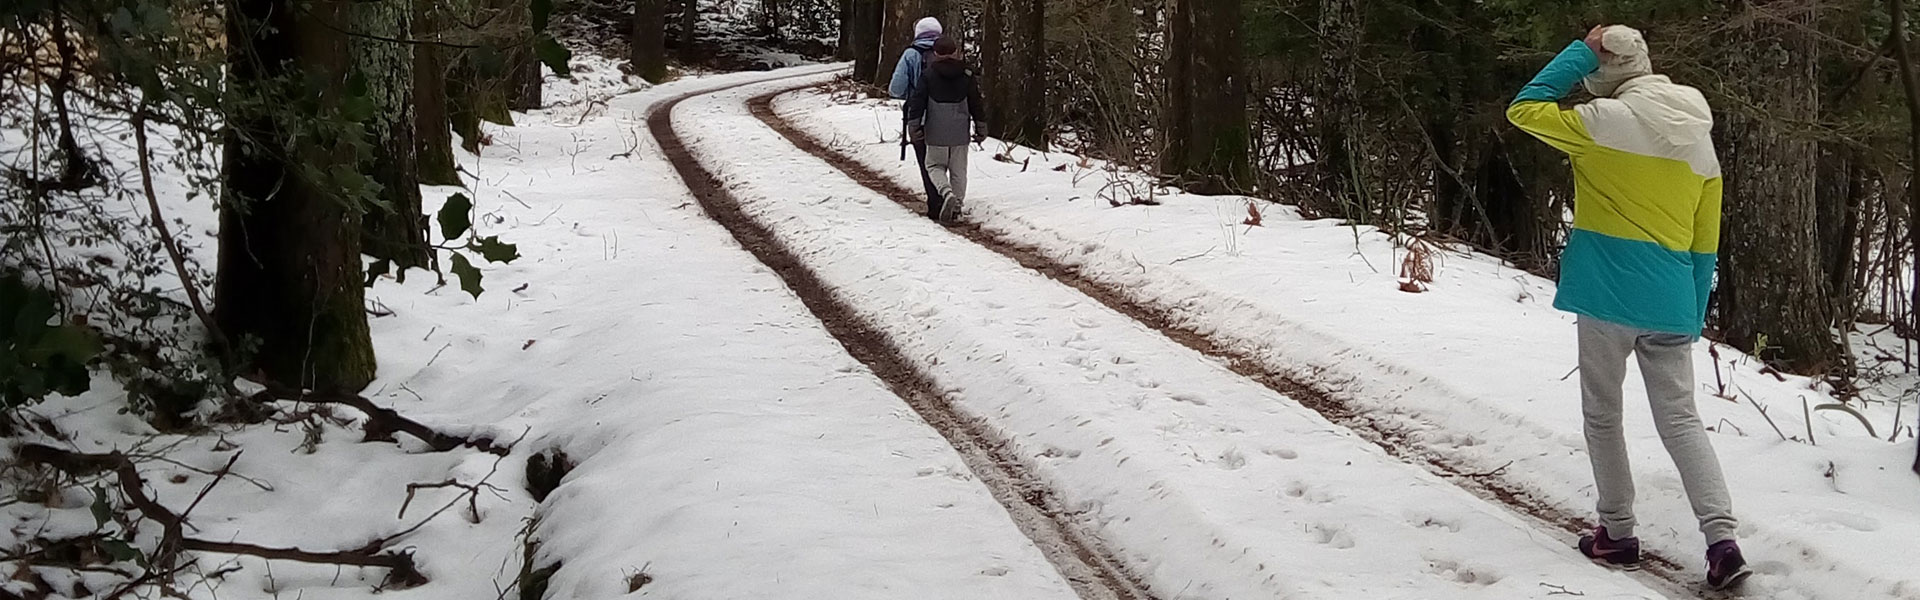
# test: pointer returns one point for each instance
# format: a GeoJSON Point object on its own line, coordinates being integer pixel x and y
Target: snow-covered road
{"type": "Point", "coordinates": [1208, 484]}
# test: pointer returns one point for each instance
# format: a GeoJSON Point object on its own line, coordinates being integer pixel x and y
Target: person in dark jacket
{"type": "Point", "coordinates": [907, 75]}
{"type": "Point", "coordinates": [946, 113]}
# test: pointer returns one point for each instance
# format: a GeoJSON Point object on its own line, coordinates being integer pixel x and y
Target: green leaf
{"type": "Point", "coordinates": [553, 54]}
{"type": "Point", "coordinates": [494, 250]}
{"type": "Point", "coordinates": [378, 268]}
{"type": "Point", "coordinates": [102, 509]}
{"type": "Point", "coordinates": [469, 276]}
{"type": "Point", "coordinates": [120, 550]}
{"type": "Point", "coordinates": [455, 218]}
{"type": "Point", "coordinates": [542, 9]}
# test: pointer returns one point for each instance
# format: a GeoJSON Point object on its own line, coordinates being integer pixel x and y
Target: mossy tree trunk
{"type": "Point", "coordinates": [432, 131]}
{"type": "Point", "coordinates": [395, 228]}
{"type": "Point", "coordinates": [649, 40]}
{"type": "Point", "coordinates": [289, 268]}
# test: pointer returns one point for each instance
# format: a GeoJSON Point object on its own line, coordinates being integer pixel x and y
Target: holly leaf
{"type": "Point", "coordinates": [469, 276]}
{"type": "Point", "coordinates": [553, 54]}
{"type": "Point", "coordinates": [455, 219]}
{"type": "Point", "coordinates": [102, 509]}
{"type": "Point", "coordinates": [542, 9]}
{"type": "Point", "coordinates": [120, 550]}
{"type": "Point", "coordinates": [494, 250]}
{"type": "Point", "coordinates": [378, 268]}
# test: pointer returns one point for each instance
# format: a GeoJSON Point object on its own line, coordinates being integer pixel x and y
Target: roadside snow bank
{"type": "Point", "coordinates": [1475, 371]}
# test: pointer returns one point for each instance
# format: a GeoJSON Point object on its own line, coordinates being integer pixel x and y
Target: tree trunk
{"type": "Point", "coordinates": [477, 83]}
{"type": "Point", "coordinates": [896, 34]}
{"type": "Point", "coordinates": [394, 228]}
{"type": "Point", "coordinates": [995, 78]}
{"type": "Point", "coordinates": [1771, 173]}
{"type": "Point", "coordinates": [843, 48]}
{"type": "Point", "coordinates": [1208, 135]}
{"type": "Point", "coordinates": [1340, 166]}
{"type": "Point", "coordinates": [1176, 128]}
{"type": "Point", "coordinates": [650, 40]}
{"type": "Point", "coordinates": [1897, 9]}
{"type": "Point", "coordinates": [689, 29]}
{"type": "Point", "coordinates": [433, 135]}
{"type": "Point", "coordinates": [1027, 114]}
{"type": "Point", "coordinates": [867, 15]}
{"type": "Point", "coordinates": [524, 82]}
{"type": "Point", "coordinates": [289, 269]}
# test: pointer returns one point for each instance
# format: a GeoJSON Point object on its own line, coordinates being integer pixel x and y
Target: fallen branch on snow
{"type": "Point", "coordinates": [382, 423]}
{"type": "Point", "coordinates": [401, 571]}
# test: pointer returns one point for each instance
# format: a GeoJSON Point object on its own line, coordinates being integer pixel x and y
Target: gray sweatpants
{"type": "Point", "coordinates": [947, 166]}
{"type": "Point", "coordinates": [1666, 363]}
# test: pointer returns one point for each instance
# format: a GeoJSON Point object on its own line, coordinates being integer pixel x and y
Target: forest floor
{"type": "Point", "coordinates": [771, 378]}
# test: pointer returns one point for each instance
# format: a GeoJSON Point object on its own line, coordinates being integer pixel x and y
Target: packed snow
{"type": "Point", "coordinates": [727, 446]}
{"type": "Point", "coordinates": [1476, 370]}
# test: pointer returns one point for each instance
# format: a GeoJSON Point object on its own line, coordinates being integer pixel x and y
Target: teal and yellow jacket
{"type": "Point", "coordinates": [1646, 217]}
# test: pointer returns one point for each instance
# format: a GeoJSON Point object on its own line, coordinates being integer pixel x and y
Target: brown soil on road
{"type": "Point", "coordinates": [1671, 577]}
{"type": "Point", "coordinates": [1079, 555]}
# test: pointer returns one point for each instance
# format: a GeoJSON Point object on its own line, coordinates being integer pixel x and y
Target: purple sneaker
{"type": "Point", "coordinates": [1725, 567]}
{"type": "Point", "coordinates": [1623, 553]}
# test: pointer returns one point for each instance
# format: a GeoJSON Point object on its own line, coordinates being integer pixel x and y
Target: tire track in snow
{"type": "Point", "coordinates": [1664, 572]}
{"type": "Point", "coordinates": [1080, 556]}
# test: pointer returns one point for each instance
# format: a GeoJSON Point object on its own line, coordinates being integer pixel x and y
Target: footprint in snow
{"type": "Point", "coordinates": [1189, 399]}
{"type": "Point", "coordinates": [1281, 453]}
{"type": "Point", "coordinates": [1232, 460]}
{"type": "Point", "coordinates": [1458, 573]}
{"type": "Point", "coordinates": [1333, 535]}
{"type": "Point", "coordinates": [1451, 525]}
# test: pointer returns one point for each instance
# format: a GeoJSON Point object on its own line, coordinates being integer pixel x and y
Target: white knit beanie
{"type": "Point", "coordinates": [1627, 58]}
{"type": "Point", "coordinates": [927, 29]}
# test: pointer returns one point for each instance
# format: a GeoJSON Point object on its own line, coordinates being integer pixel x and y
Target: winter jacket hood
{"type": "Point", "coordinates": [1677, 114]}
{"type": "Point", "coordinates": [927, 29]}
{"type": "Point", "coordinates": [1647, 194]}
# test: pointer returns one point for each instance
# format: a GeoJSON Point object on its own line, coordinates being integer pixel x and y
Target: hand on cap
{"type": "Point", "coordinates": [1596, 44]}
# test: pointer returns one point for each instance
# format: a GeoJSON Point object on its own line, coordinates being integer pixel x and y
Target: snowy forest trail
{"type": "Point", "coordinates": [1079, 557]}
{"type": "Point", "coordinates": [1204, 481]}
{"type": "Point", "coordinates": [1490, 485]}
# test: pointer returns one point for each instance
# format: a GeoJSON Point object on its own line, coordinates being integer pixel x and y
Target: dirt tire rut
{"type": "Point", "coordinates": [1080, 556]}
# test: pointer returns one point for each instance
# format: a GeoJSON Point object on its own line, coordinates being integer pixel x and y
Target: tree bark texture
{"type": "Point", "coordinates": [1026, 111]}
{"type": "Point", "coordinates": [650, 40]}
{"type": "Point", "coordinates": [395, 228]}
{"type": "Point", "coordinates": [867, 15]}
{"type": "Point", "coordinates": [432, 130]}
{"type": "Point", "coordinates": [1766, 290]}
{"type": "Point", "coordinates": [289, 274]}
{"type": "Point", "coordinates": [690, 29]}
{"type": "Point", "coordinates": [1208, 140]}
{"type": "Point", "coordinates": [1341, 165]}
{"type": "Point", "coordinates": [843, 47]}
{"type": "Point", "coordinates": [994, 77]}
{"type": "Point", "coordinates": [896, 34]}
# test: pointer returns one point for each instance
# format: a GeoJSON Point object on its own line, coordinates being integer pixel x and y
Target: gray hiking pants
{"type": "Point", "coordinates": [1666, 363]}
{"type": "Point", "coordinates": [947, 166]}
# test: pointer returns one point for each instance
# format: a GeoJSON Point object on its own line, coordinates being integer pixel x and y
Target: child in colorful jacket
{"type": "Point", "coordinates": [1637, 270]}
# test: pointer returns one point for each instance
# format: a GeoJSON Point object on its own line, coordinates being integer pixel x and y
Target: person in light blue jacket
{"type": "Point", "coordinates": [906, 81]}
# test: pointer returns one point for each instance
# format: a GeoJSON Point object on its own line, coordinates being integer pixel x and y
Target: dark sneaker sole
{"type": "Point", "coordinates": [1733, 581]}
{"type": "Point", "coordinates": [1632, 566]}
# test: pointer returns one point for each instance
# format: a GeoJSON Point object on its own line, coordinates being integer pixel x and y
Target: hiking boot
{"type": "Point", "coordinates": [1623, 553]}
{"type": "Point", "coordinates": [1725, 567]}
{"type": "Point", "coordinates": [950, 211]}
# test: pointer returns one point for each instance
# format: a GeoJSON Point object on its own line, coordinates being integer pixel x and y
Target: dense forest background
{"type": "Point", "coordinates": [312, 126]}
{"type": "Point", "coordinates": [1382, 113]}
{"type": "Point", "coordinates": [1391, 114]}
